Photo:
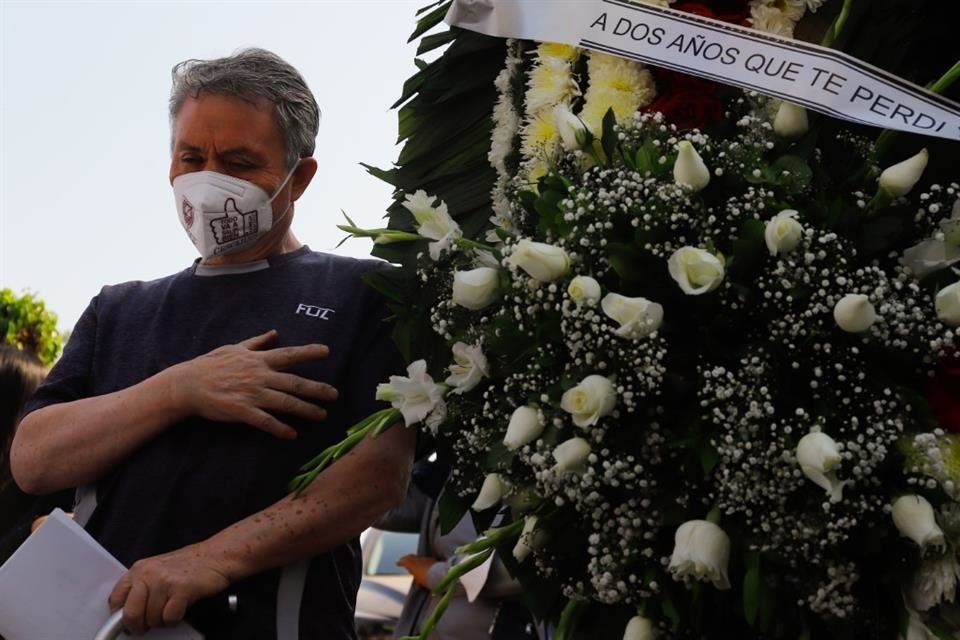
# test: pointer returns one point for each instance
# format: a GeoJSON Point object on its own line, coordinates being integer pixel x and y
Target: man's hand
{"type": "Point", "coordinates": [418, 567]}
{"type": "Point", "coordinates": [156, 591]}
{"type": "Point", "coordinates": [243, 382]}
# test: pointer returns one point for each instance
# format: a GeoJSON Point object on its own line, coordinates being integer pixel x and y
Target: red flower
{"type": "Point", "coordinates": [687, 101]}
{"type": "Point", "coordinates": [943, 393]}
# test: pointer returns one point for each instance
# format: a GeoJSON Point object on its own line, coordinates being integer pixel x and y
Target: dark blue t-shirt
{"type": "Point", "coordinates": [198, 477]}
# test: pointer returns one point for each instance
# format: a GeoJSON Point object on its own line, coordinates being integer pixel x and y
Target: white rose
{"type": "Point", "coordinates": [701, 550]}
{"type": "Point", "coordinates": [530, 539]}
{"type": "Point", "coordinates": [415, 396]}
{"type": "Point", "coordinates": [689, 169]}
{"type": "Point", "coordinates": [433, 223]}
{"type": "Point", "coordinates": [584, 289]}
{"type": "Point", "coordinates": [818, 456]}
{"type": "Point", "coordinates": [783, 233]}
{"type": "Point", "coordinates": [525, 427]}
{"type": "Point", "coordinates": [468, 369]}
{"type": "Point", "coordinates": [695, 270]}
{"type": "Point", "coordinates": [543, 262]}
{"type": "Point", "coordinates": [854, 313]}
{"type": "Point", "coordinates": [490, 493]}
{"type": "Point", "coordinates": [914, 519]}
{"type": "Point", "coordinates": [640, 628]}
{"type": "Point", "coordinates": [590, 400]}
{"type": "Point", "coordinates": [638, 317]}
{"type": "Point", "coordinates": [571, 455]}
{"type": "Point", "coordinates": [569, 126]}
{"type": "Point", "coordinates": [791, 121]}
{"type": "Point", "coordinates": [475, 289]}
{"type": "Point", "coordinates": [947, 304]}
{"type": "Point", "coordinates": [899, 179]}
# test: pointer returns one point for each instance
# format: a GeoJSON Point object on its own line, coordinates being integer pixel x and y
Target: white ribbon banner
{"type": "Point", "coordinates": [819, 78]}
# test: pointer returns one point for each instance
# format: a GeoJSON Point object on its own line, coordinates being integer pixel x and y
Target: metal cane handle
{"type": "Point", "coordinates": [112, 628]}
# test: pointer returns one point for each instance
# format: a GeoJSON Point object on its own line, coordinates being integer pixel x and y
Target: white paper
{"type": "Point", "coordinates": [56, 585]}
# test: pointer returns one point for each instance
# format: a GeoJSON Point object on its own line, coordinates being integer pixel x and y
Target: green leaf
{"type": "Point", "coordinates": [797, 167]}
{"type": "Point", "coordinates": [751, 589]}
{"type": "Point", "coordinates": [435, 41]}
{"type": "Point", "coordinates": [452, 508]}
{"type": "Point", "coordinates": [709, 457]}
{"type": "Point", "coordinates": [608, 139]}
{"type": "Point", "coordinates": [430, 20]}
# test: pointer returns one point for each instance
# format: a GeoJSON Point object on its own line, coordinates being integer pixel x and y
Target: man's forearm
{"type": "Point", "coordinates": [344, 500]}
{"type": "Point", "coordinates": [73, 443]}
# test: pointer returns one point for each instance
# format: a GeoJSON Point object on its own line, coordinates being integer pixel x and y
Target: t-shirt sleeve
{"type": "Point", "coordinates": [70, 379]}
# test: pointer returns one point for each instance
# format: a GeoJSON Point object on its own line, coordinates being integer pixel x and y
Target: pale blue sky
{"type": "Point", "coordinates": [84, 196]}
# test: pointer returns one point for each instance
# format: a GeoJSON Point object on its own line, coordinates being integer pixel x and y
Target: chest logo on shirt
{"type": "Point", "coordinates": [313, 311]}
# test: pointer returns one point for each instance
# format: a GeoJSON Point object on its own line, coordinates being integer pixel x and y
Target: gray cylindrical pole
{"type": "Point", "coordinates": [112, 628]}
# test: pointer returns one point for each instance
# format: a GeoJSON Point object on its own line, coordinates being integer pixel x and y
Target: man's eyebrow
{"type": "Point", "coordinates": [231, 151]}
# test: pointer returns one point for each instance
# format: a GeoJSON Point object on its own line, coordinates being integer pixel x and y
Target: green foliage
{"type": "Point", "coordinates": [26, 323]}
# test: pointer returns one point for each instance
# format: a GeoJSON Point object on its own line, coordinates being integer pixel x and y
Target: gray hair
{"type": "Point", "coordinates": [250, 74]}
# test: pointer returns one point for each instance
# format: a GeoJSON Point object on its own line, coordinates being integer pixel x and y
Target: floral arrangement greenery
{"type": "Point", "coordinates": [700, 344]}
{"type": "Point", "coordinates": [27, 324]}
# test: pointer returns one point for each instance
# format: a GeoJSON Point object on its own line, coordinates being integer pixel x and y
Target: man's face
{"type": "Point", "coordinates": [235, 137]}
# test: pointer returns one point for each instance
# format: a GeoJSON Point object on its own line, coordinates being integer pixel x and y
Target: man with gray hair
{"type": "Point", "coordinates": [183, 406]}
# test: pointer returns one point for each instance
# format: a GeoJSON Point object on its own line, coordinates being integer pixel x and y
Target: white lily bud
{"type": "Point", "coordinates": [791, 121]}
{"type": "Point", "coordinates": [584, 289]}
{"type": "Point", "coordinates": [783, 233]}
{"type": "Point", "coordinates": [689, 170]}
{"type": "Point", "coordinates": [490, 494]}
{"type": "Point", "coordinates": [543, 262]}
{"type": "Point", "coordinates": [854, 313]}
{"type": "Point", "coordinates": [530, 539]}
{"type": "Point", "coordinates": [702, 551]}
{"type": "Point", "coordinates": [947, 304]}
{"type": "Point", "coordinates": [569, 126]}
{"type": "Point", "coordinates": [914, 518]}
{"type": "Point", "coordinates": [475, 289]}
{"type": "Point", "coordinates": [525, 427]}
{"type": "Point", "coordinates": [819, 456]}
{"type": "Point", "coordinates": [571, 455]}
{"type": "Point", "coordinates": [899, 179]}
{"type": "Point", "coordinates": [640, 628]}
{"type": "Point", "coordinates": [638, 317]}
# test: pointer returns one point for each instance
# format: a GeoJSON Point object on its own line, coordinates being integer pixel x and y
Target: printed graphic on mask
{"type": "Point", "coordinates": [186, 211]}
{"type": "Point", "coordinates": [235, 224]}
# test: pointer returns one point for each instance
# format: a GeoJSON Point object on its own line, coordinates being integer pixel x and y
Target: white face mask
{"type": "Point", "coordinates": [223, 214]}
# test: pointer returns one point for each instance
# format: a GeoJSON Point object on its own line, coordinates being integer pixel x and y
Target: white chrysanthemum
{"type": "Point", "coordinates": [540, 137]}
{"type": "Point", "coordinates": [506, 124]}
{"type": "Point", "coordinates": [935, 582]}
{"type": "Point", "coordinates": [770, 19]}
{"type": "Point", "coordinates": [792, 9]}
{"type": "Point", "coordinates": [557, 50]}
{"type": "Point", "coordinates": [618, 84]}
{"type": "Point", "coordinates": [813, 5]}
{"type": "Point", "coordinates": [550, 84]}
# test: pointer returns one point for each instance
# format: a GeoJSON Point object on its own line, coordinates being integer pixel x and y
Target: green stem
{"type": "Point", "coordinates": [371, 426]}
{"type": "Point", "coordinates": [938, 86]}
{"type": "Point", "coordinates": [465, 243]}
{"type": "Point", "coordinates": [714, 515]}
{"type": "Point", "coordinates": [436, 615]}
{"type": "Point", "coordinates": [492, 537]}
{"type": "Point", "coordinates": [834, 31]}
{"type": "Point", "coordinates": [569, 619]}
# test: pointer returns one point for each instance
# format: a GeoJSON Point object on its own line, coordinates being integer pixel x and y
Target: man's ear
{"type": "Point", "coordinates": [302, 177]}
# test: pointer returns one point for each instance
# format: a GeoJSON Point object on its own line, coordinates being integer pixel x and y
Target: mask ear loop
{"type": "Point", "coordinates": [279, 189]}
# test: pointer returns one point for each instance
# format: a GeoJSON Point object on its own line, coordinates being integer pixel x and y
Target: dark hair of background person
{"type": "Point", "coordinates": [20, 375]}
